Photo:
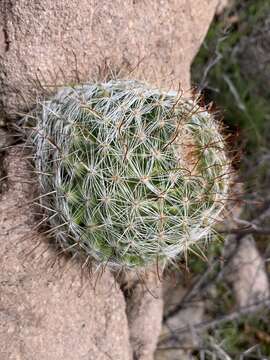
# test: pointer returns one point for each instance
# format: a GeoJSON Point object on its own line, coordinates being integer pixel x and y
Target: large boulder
{"type": "Point", "coordinates": [47, 43]}
{"type": "Point", "coordinates": [49, 308]}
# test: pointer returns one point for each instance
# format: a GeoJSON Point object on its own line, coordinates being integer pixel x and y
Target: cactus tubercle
{"type": "Point", "coordinates": [130, 174]}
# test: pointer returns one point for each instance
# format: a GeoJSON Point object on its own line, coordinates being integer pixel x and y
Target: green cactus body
{"type": "Point", "coordinates": [129, 174]}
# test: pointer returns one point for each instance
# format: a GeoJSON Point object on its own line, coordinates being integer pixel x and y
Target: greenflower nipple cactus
{"type": "Point", "coordinates": [129, 175]}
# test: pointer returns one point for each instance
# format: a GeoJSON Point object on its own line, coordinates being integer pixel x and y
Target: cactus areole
{"type": "Point", "coordinates": [129, 174]}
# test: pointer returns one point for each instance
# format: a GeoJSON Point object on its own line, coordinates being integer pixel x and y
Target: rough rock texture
{"type": "Point", "coordinates": [51, 312]}
{"type": "Point", "coordinates": [44, 44]}
{"type": "Point", "coordinates": [190, 314]}
{"type": "Point", "coordinates": [223, 5]}
{"type": "Point", "coordinates": [248, 274]}
{"type": "Point", "coordinates": [178, 313]}
{"type": "Point", "coordinates": [48, 42]}
{"type": "Point", "coordinates": [49, 307]}
{"type": "Point", "coordinates": [144, 307]}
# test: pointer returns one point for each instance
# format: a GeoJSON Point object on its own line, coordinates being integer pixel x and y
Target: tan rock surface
{"type": "Point", "coordinates": [51, 312]}
{"type": "Point", "coordinates": [43, 44]}
{"type": "Point", "coordinates": [178, 314]}
{"type": "Point", "coordinates": [248, 274]}
{"type": "Point", "coordinates": [52, 42]}
{"type": "Point", "coordinates": [144, 308]}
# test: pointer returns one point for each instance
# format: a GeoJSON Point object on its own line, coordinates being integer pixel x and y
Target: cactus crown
{"type": "Point", "coordinates": [129, 174]}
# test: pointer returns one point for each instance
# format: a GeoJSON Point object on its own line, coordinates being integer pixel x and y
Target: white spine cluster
{"type": "Point", "coordinates": [131, 175]}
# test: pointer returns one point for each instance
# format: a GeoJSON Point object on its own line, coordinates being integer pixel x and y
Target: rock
{"type": "Point", "coordinates": [51, 313]}
{"type": "Point", "coordinates": [6, 140]}
{"type": "Point", "coordinates": [190, 314]}
{"type": "Point", "coordinates": [223, 5]}
{"type": "Point", "coordinates": [144, 312]}
{"type": "Point", "coordinates": [172, 344]}
{"type": "Point", "coordinates": [46, 313]}
{"type": "Point", "coordinates": [47, 43]}
{"type": "Point", "coordinates": [248, 275]}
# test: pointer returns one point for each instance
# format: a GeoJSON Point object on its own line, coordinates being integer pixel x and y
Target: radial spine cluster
{"type": "Point", "coordinates": [129, 174]}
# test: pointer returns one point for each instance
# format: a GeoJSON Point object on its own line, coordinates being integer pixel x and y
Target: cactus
{"type": "Point", "coordinates": [128, 175]}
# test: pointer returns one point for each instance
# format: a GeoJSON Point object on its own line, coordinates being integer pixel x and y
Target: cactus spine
{"type": "Point", "coordinates": [130, 174]}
